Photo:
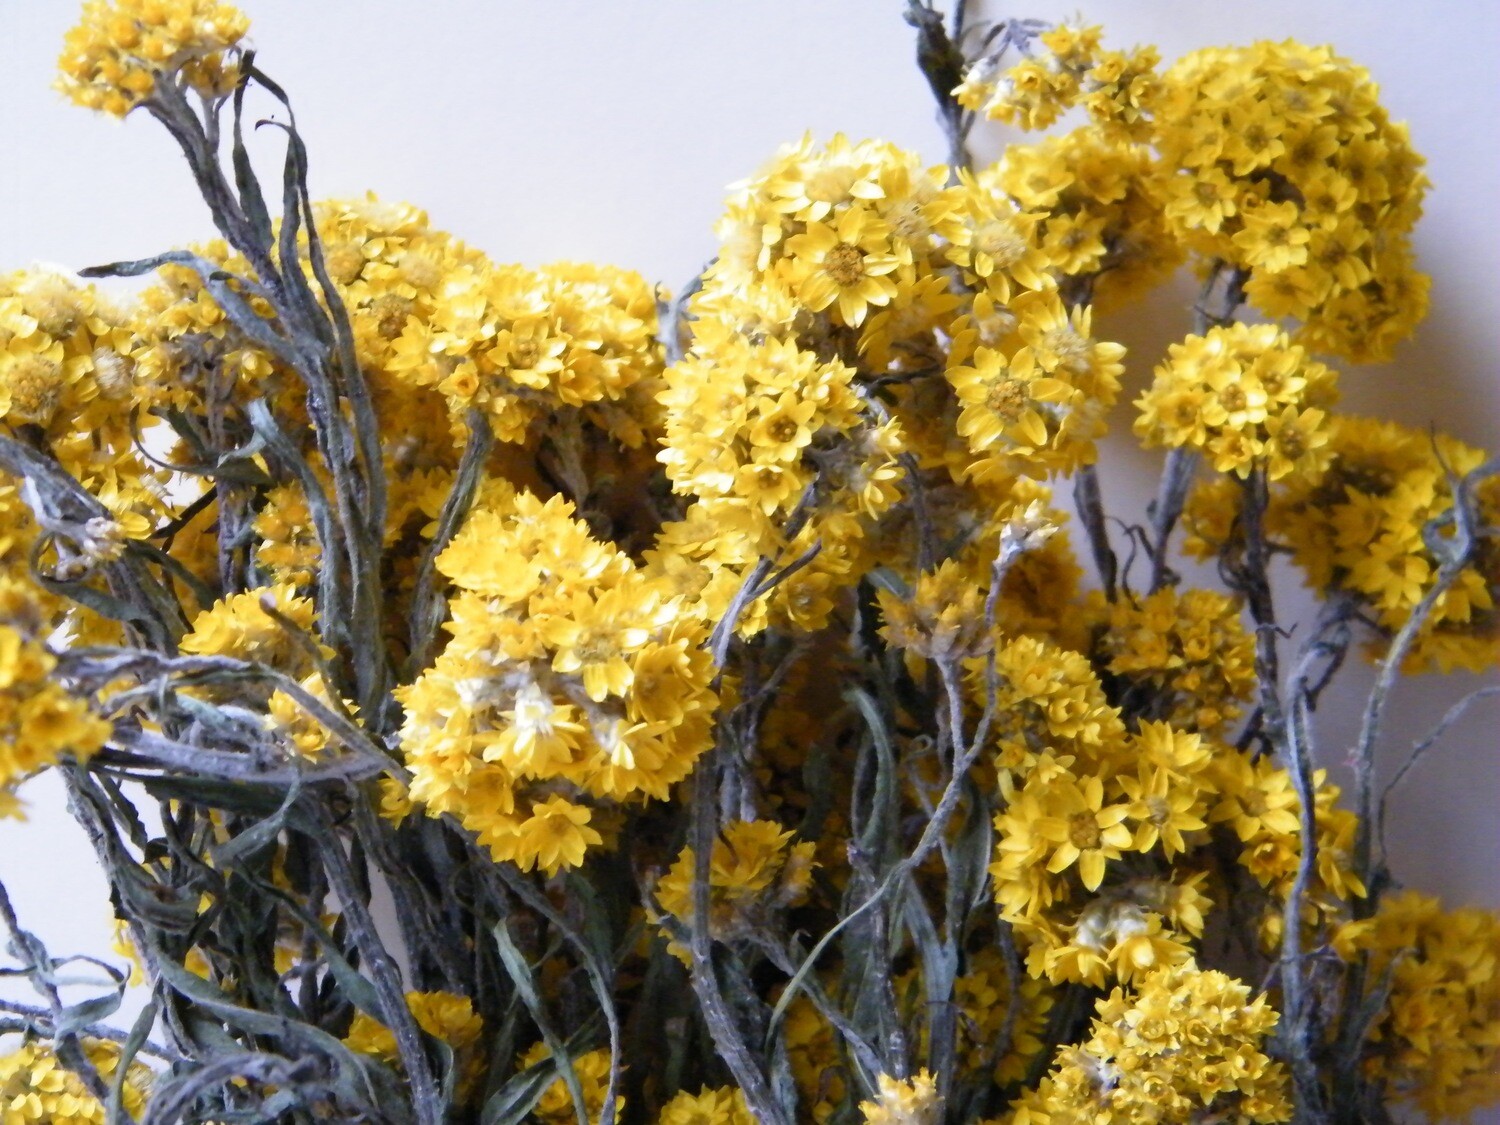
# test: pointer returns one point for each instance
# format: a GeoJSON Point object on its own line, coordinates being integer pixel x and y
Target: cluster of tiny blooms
{"type": "Point", "coordinates": [555, 1107]}
{"type": "Point", "coordinates": [1372, 526]}
{"type": "Point", "coordinates": [911, 1102]}
{"type": "Point", "coordinates": [1280, 162]}
{"type": "Point", "coordinates": [1246, 397]}
{"type": "Point", "coordinates": [754, 869]}
{"type": "Point", "coordinates": [1439, 1036]}
{"type": "Point", "coordinates": [39, 720]}
{"type": "Point", "coordinates": [724, 1106]}
{"type": "Point", "coordinates": [1184, 1045]}
{"type": "Point", "coordinates": [36, 1088]}
{"type": "Point", "coordinates": [875, 387]}
{"type": "Point", "coordinates": [114, 57]}
{"type": "Point", "coordinates": [1374, 523]}
{"type": "Point", "coordinates": [932, 316]}
{"type": "Point", "coordinates": [570, 677]}
{"type": "Point", "coordinates": [751, 429]}
{"type": "Point", "coordinates": [66, 384]}
{"type": "Point", "coordinates": [1102, 196]}
{"type": "Point", "coordinates": [1186, 648]}
{"type": "Point", "coordinates": [446, 1017]}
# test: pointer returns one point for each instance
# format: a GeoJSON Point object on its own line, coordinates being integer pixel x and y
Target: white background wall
{"type": "Point", "coordinates": [543, 129]}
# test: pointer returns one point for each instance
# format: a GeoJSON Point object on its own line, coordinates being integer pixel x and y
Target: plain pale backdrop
{"type": "Point", "coordinates": [547, 129]}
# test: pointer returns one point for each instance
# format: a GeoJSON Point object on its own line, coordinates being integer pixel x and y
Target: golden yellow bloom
{"type": "Point", "coordinates": [556, 1104]}
{"type": "Point", "coordinates": [34, 1085]}
{"type": "Point", "coordinates": [1242, 394]}
{"type": "Point", "coordinates": [911, 1102]}
{"type": "Point", "coordinates": [114, 58]}
{"type": "Point", "coordinates": [555, 836]}
{"type": "Point", "coordinates": [1437, 1039]}
{"type": "Point", "coordinates": [1188, 647]}
{"type": "Point", "coordinates": [754, 868]}
{"type": "Point", "coordinates": [1082, 829]}
{"type": "Point", "coordinates": [846, 265]}
{"type": "Point", "coordinates": [1361, 526]}
{"type": "Point", "coordinates": [724, 1106]}
{"type": "Point", "coordinates": [1183, 1043]}
{"type": "Point", "coordinates": [39, 720]}
{"type": "Point", "coordinates": [440, 1014]}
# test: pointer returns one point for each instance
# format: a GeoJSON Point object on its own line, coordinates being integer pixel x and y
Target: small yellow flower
{"type": "Point", "coordinates": [555, 836]}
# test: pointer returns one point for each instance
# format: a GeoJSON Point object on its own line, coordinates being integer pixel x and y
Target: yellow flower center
{"type": "Point", "coordinates": [1001, 241]}
{"type": "Point", "coordinates": [56, 311]}
{"type": "Point", "coordinates": [391, 312]}
{"type": "Point", "coordinates": [845, 264]}
{"type": "Point", "coordinates": [907, 221]}
{"type": "Point", "coordinates": [420, 271]}
{"type": "Point", "coordinates": [524, 352]}
{"type": "Point", "coordinates": [1071, 349]}
{"type": "Point", "coordinates": [782, 430]}
{"type": "Point", "coordinates": [35, 388]}
{"type": "Point", "coordinates": [1158, 811]}
{"type": "Point", "coordinates": [1292, 444]}
{"type": "Point", "coordinates": [1083, 831]}
{"type": "Point", "coordinates": [1232, 398]}
{"type": "Point", "coordinates": [1007, 398]}
{"type": "Point", "coordinates": [344, 261]}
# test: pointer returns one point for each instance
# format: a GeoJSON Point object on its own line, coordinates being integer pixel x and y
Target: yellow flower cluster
{"type": "Point", "coordinates": [518, 343]}
{"type": "Point", "coordinates": [754, 871]}
{"type": "Point", "coordinates": [845, 229]}
{"type": "Point", "coordinates": [1061, 821]}
{"type": "Point", "coordinates": [723, 1106]}
{"type": "Point", "coordinates": [862, 321]}
{"type": "Point", "coordinates": [1186, 1045]}
{"type": "Point", "coordinates": [1281, 163]}
{"type": "Point", "coordinates": [442, 1015]}
{"type": "Point", "coordinates": [240, 626]}
{"type": "Point", "coordinates": [1257, 800]}
{"type": "Point", "coordinates": [1244, 395]}
{"type": "Point", "coordinates": [983, 997]}
{"type": "Point", "coordinates": [1438, 1041]}
{"type": "Point", "coordinates": [179, 337]}
{"type": "Point", "coordinates": [1365, 526]}
{"type": "Point", "coordinates": [36, 1087]}
{"type": "Point", "coordinates": [66, 384]}
{"type": "Point", "coordinates": [1185, 650]}
{"type": "Point", "coordinates": [39, 720]}
{"type": "Point", "coordinates": [913, 1101]}
{"type": "Point", "coordinates": [1048, 699]}
{"type": "Point", "coordinates": [1034, 402]}
{"type": "Point", "coordinates": [1102, 197]}
{"type": "Point", "coordinates": [114, 57]}
{"type": "Point", "coordinates": [1117, 88]}
{"type": "Point", "coordinates": [750, 428]}
{"type": "Point", "coordinates": [570, 673]}
{"type": "Point", "coordinates": [438, 329]}
{"type": "Point", "coordinates": [391, 269]}
{"type": "Point", "coordinates": [1105, 846]}
{"type": "Point", "coordinates": [1287, 166]}
{"type": "Point", "coordinates": [555, 1107]}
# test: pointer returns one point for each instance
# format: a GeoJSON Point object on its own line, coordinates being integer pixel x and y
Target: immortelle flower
{"type": "Point", "coordinates": [114, 58]}
{"type": "Point", "coordinates": [911, 1102]}
{"type": "Point", "coordinates": [723, 1106]}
